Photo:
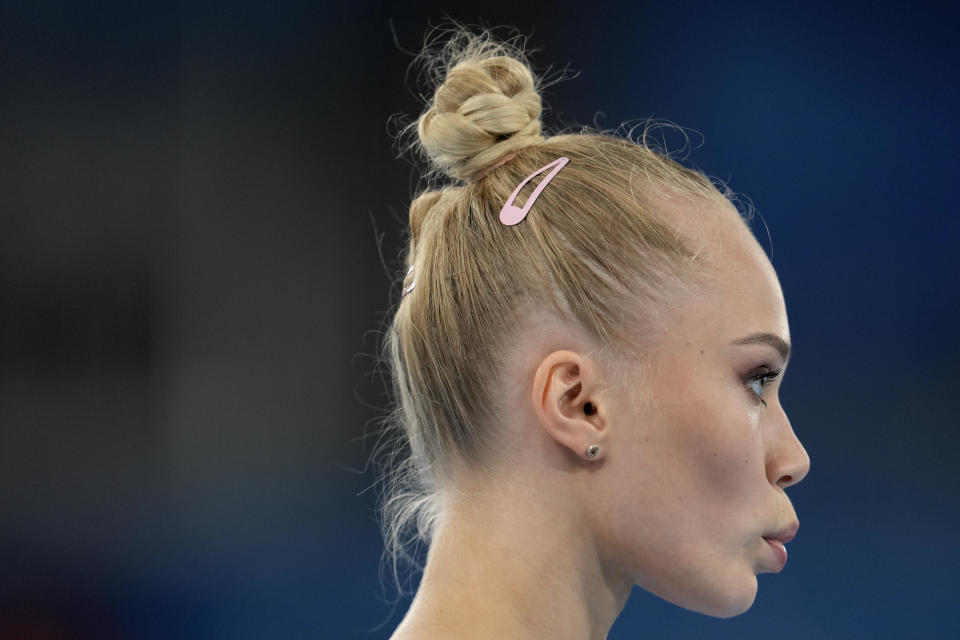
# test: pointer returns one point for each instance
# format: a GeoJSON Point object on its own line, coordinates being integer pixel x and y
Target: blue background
{"type": "Point", "coordinates": [202, 208]}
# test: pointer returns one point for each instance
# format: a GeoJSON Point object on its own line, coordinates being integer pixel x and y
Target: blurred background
{"type": "Point", "coordinates": [201, 206]}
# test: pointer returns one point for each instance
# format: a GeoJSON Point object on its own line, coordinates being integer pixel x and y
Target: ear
{"type": "Point", "coordinates": [565, 388]}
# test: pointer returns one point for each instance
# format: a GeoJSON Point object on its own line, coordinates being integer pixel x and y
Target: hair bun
{"type": "Point", "coordinates": [487, 107]}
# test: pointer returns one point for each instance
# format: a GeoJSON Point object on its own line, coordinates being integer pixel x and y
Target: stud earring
{"type": "Point", "coordinates": [593, 451]}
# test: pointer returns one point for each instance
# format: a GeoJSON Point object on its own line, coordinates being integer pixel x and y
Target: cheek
{"type": "Point", "coordinates": [718, 440]}
{"type": "Point", "coordinates": [697, 442]}
{"type": "Point", "coordinates": [706, 462]}
{"type": "Point", "coordinates": [684, 471]}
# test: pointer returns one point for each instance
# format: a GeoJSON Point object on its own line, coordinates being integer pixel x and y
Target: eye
{"type": "Point", "coordinates": [758, 381]}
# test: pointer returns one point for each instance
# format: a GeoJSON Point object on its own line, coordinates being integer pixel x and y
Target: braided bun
{"type": "Point", "coordinates": [487, 106]}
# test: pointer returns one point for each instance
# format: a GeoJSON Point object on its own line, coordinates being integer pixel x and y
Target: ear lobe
{"type": "Point", "coordinates": [564, 383]}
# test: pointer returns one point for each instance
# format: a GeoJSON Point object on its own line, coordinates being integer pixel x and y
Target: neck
{"type": "Point", "coordinates": [515, 564]}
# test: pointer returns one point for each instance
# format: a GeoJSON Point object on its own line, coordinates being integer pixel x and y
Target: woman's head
{"type": "Point", "coordinates": [622, 288]}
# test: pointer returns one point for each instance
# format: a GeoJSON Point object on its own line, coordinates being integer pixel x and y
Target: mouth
{"type": "Point", "coordinates": [784, 535]}
{"type": "Point", "coordinates": [778, 553]}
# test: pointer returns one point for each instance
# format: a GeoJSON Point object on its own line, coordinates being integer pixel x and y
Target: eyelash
{"type": "Point", "coordinates": [766, 379]}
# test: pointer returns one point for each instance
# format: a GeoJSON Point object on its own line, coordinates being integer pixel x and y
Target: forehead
{"type": "Point", "coordinates": [742, 293]}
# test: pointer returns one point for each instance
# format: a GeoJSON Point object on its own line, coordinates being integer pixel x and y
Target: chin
{"type": "Point", "coordinates": [721, 600]}
{"type": "Point", "coordinates": [733, 601]}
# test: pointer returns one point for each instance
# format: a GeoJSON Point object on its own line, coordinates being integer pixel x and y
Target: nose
{"type": "Point", "coordinates": [787, 461]}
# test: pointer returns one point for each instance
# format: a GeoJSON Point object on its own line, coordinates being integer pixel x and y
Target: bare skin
{"type": "Point", "coordinates": [549, 543]}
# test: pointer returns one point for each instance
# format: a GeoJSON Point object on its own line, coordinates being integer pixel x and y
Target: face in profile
{"type": "Point", "coordinates": [695, 477]}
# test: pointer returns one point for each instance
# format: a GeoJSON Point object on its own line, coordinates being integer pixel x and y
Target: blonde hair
{"type": "Point", "coordinates": [595, 252]}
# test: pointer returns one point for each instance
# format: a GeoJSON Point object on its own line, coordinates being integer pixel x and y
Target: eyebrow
{"type": "Point", "coordinates": [771, 339]}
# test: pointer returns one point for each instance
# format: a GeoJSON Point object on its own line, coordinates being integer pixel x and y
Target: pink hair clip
{"type": "Point", "coordinates": [511, 214]}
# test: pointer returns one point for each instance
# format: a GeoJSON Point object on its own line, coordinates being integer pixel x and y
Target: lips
{"type": "Point", "coordinates": [784, 535]}
{"type": "Point", "coordinates": [779, 554]}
